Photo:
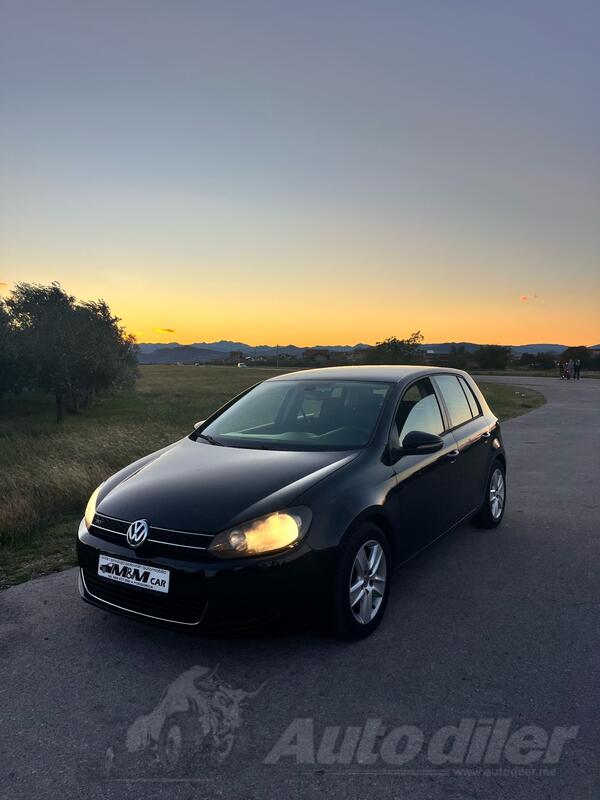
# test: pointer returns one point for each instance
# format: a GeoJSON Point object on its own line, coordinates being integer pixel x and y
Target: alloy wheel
{"type": "Point", "coordinates": [367, 581]}
{"type": "Point", "coordinates": [497, 493]}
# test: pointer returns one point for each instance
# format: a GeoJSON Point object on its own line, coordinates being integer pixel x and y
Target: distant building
{"type": "Point", "coordinates": [236, 355]}
{"type": "Point", "coordinates": [317, 355]}
{"type": "Point", "coordinates": [358, 356]}
{"type": "Point", "coordinates": [431, 358]}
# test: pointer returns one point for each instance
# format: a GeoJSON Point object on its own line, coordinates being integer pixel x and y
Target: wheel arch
{"type": "Point", "coordinates": [378, 517]}
{"type": "Point", "coordinates": [500, 456]}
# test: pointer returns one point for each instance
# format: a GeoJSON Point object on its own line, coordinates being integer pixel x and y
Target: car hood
{"type": "Point", "coordinates": [201, 487]}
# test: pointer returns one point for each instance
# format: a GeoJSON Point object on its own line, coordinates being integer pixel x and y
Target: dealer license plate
{"type": "Point", "coordinates": [141, 575]}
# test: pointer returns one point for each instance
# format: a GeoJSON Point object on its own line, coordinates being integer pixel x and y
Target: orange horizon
{"type": "Point", "coordinates": [364, 314]}
{"type": "Point", "coordinates": [324, 343]}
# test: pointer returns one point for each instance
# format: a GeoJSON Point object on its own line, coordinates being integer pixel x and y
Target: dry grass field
{"type": "Point", "coordinates": [47, 471]}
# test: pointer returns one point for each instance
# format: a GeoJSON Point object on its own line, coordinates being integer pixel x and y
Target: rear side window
{"type": "Point", "coordinates": [471, 399]}
{"type": "Point", "coordinates": [455, 399]}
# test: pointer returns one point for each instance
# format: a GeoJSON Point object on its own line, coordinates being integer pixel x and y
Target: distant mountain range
{"type": "Point", "coordinates": [203, 352]}
{"type": "Point", "coordinates": [446, 347]}
{"type": "Point", "coordinates": [225, 347]}
{"type": "Point", "coordinates": [179, 354]}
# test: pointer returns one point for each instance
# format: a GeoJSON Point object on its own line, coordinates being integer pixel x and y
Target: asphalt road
{"type": "Point", "coordinates": [484, 625]}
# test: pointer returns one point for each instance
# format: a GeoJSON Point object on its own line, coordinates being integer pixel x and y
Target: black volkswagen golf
{"type": "Point", "coordinates": [304, 493]}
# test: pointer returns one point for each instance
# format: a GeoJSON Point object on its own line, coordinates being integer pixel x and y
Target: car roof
{"type": "Point", "coordinates": [388, 373]}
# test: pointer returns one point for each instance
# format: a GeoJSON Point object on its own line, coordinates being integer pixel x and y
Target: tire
{"type": "Point", "coordinates": [356, 621]}
{"type": "Point", "coordinates": [176, 742]}
{"type": "Point", "coordinates": [492, 510]}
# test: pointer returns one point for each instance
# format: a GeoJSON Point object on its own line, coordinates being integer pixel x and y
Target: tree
{"type": "Point", "coordinates": [538, 361]}
{"type": "Point", "coordinates": [69, 348]}
{"type": "Point", "coordinates": [527, 360]}
{"type": "Point", "coordinates": [10, 373]}
{"type": "Point", "coordinates": [584, 354]}
{"type": "Point", "coordinates": [397, 351]}
{"type": "Point", "coordinates": [492, 356]}
{"type": "Point", "coordinates": [457, 357]}
{"type": "Point", "coordinates": [104, 355]}
{"type": "Point", "coordinates": [43, 316]}
{"type": "Point", "coordinates": [545, 360]}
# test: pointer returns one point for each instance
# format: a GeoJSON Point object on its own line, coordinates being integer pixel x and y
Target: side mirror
{"type": "Point", "coordinates": [421, 443]}
{"type": "Point", "coordinates": [197, 424]}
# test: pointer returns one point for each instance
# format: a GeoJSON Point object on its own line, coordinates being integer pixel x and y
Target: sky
{"type": "Point", "coordinates": [309, 172]}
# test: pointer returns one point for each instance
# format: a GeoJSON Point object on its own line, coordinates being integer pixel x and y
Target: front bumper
{"type": "Point", "coordinates": [206, 597]}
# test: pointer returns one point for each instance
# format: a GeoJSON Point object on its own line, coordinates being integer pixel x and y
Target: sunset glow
{"type": "Point", "coordinates": [315, 174]}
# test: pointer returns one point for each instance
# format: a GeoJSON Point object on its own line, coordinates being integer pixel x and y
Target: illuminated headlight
{"type": "Point", "coordinates": [90, 509]}
{"type": "Point", "coordinates": [268, 534]}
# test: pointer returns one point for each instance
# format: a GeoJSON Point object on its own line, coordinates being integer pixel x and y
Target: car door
{"type": "Point", "coordinates": [472, 440]}
{"type": "Point", "coordinates": [425, 483]}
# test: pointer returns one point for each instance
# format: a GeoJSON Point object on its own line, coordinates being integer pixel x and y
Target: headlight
{"type": "Point", "coordinates": [90, 509]}
{"type": "Point", "coordinates": [278, 531]}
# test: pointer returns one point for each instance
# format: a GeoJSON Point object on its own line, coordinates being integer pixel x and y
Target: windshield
{"type": "Point", "coordinates": [301, 415]}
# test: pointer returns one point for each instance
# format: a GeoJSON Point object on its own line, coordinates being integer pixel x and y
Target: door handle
{"type": "Point", "coordinates": [452, 455]}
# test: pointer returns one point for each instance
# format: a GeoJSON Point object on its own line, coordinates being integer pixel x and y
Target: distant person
{"type": "Point", "coordinates": [561, 370]}
{"type": "Point", "coordinates": [577, 369]}
{"type": "Point", "coordinates": [569, 369]}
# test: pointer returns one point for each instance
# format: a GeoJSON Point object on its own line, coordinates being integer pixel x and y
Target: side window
{"type": "Point", "coordinates": [455, 399]}
{"type": "Point", "coordinates": [419, 410]}
{"type": "Point", "coordinates": [471, 399]}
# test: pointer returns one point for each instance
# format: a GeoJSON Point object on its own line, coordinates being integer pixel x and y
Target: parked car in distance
{"type": "Point", "coordinates": [302, 494]}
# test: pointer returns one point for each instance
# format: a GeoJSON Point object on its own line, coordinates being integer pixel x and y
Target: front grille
{"type": "Point", "coordinates": [115, 530]}
{"type": "Point", "coordinates": [143, 601]}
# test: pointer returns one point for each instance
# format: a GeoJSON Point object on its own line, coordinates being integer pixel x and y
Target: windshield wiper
{"type": "Point", "coordinates": [209, 439]}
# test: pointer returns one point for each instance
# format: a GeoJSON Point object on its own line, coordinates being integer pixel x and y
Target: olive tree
{"type": "Point", "coordinates": [68, 348]}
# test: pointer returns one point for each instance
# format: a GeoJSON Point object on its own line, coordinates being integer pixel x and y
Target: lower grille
{"type": "Point", "coordinates": [143, 602]}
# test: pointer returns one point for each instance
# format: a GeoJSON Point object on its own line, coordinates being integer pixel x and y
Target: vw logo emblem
{"type": "Point", "coordinates": [137, 533]}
